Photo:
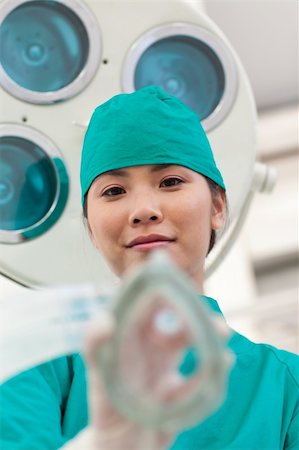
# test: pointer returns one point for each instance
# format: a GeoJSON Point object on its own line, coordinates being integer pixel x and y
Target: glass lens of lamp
{"type": "Point", "coordinates": [43, 45]}
{"type": "Point", "coordinates": [28, 183]}
{"type": "Point", "coordinates": [184, 67]}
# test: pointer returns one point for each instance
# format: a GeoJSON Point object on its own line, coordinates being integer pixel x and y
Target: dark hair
{"type": "Point", "coordinates": [215, 190]}
{"type": "Point", "coordinates": [85, 207]}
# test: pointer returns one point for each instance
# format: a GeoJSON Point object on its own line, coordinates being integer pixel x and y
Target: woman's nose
{"type": "Point", "coordinates": [145, 212]}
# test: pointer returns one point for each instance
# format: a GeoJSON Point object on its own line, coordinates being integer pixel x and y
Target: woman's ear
{"type": "Point", "coordinates": [86, 222]}
{"type": "Point", "coordinates": [219, 208]}
{"type": "Point", "coordinates": [90, 233]}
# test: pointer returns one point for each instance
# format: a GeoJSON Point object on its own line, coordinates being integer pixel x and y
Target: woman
{"type": "Point", "coordinates": [149, 180]}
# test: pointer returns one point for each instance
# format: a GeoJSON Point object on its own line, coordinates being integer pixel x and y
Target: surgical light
{"type": "Point", "coordinates": [190, 57]}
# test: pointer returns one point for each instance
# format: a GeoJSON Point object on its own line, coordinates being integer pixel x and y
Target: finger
{"type": "Point", "coordinates": [102, 412]}
{"type": "Point", "coordinates": [164, 340]}
{"type": "Point", "coordinates": [152, 345]}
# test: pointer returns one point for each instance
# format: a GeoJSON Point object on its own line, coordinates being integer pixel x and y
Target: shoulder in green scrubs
{"type": "Point", "coordinates": [44, 407]}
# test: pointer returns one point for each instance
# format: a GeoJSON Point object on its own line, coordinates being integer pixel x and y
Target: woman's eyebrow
{"type": "Point", "coordinates": [125, 173]}
{"type": "Point", "coordinates": [117, 172]}
{"type": "Point", "coordinates": [158, 167]}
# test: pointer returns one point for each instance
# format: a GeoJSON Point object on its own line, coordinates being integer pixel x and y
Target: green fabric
{"type": "Point", "coordinates": [145, 127]}
{"type": "Point", "coordinates": [44, 407]}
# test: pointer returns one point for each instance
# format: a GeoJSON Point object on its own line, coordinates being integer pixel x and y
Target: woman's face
{"type": "Point", "coordinates": [137, 209]}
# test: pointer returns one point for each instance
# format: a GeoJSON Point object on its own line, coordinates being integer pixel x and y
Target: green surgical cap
{"type": "Point", "coordinates": [148, 126]}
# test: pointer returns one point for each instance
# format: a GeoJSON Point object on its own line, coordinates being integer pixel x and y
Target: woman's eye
{"type": "Point", "coordinates": [169, 182]}
{"type": "Point", "coordinates": [113, 191]}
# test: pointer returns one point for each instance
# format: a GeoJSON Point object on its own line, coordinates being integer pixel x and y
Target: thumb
{"type": "Point", "coordinates": [102, 413]}
{"type": "Point", "coordinates": [100, 330]}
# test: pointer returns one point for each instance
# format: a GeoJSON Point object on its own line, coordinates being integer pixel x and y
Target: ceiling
{"type": "Point", "coordinates": [265, 35]}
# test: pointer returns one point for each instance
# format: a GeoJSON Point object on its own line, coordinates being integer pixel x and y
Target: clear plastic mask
{"type": "Point", "coordinates": [158, 313]}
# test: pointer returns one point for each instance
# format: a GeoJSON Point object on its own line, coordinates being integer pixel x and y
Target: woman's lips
{"type": "Point", "coordinates": [146, 246]}
{"type": "Point", "coordinates": [149, 242]}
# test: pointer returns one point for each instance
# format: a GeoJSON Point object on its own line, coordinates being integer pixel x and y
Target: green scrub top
{"type": "Point", "coordinates": [46, 406]}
